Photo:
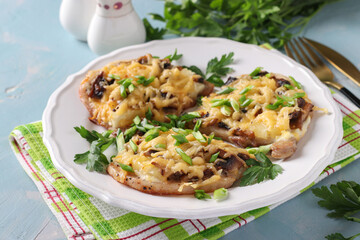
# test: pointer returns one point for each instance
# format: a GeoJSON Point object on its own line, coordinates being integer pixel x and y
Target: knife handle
{"type": "Point", "coordinates": [351, 96]}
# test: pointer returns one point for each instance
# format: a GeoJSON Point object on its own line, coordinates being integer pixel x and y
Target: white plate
{"type": "Point", "coordinates": [315, 151]}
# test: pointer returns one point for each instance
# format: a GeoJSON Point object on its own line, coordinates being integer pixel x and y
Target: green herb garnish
{"type": "Point", "coordinates": [296, 83]}
{"type": "Point", "coordinates": [255, 72]}
{"type": "Point", "coordinates": [255, 22]}
{"type": "Point", "coordinates": [214, 157]}
{"type": "Point", "coordinates": [226, 90]}
{"type": "Point", "coordinates": [198, 136]}
{"type": "Point", "coordinates": [126, 167]}
{"type": "Point", "coordinates": [220, 194]}
{"type": "Point", "coordinates": [216, 68]}
{"type": "Point", "coordinates": [285, 101]}
{"type": "Point", "coordinates": [197, 125]}
{"type": "Point", "coordinates": [142, 80]}
{"type": "Point", "coordinates": [133, 146]}
{"type": "Point", "coordinates": [201, 195]}
{"type": "Point", "coordinates": [174, 56]}
{"type": "Point", "coordinates": [260, 169]}
{"type": "Point", "coordinates": [246, 90]}
{"type": "Point", "coordinates": [184, 156]}
{"type": "Point", "coordinates": [160, 145]}
{"type": "Point", "coordinates": [151, 134]}
{"type": "Point", "coordinates": [94, 158]}
{"type": "Point", "coordinates": [180, 139]}
{"type": "Point", "coordinates": [262, 149]}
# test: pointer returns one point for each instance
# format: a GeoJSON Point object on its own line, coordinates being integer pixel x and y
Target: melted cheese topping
{"type": "Point", "coordinates": [172, 91]}
{"type": "Point", "coordinates": [267, 125]}
{"type": "Point", "coordinates": [156, 164]}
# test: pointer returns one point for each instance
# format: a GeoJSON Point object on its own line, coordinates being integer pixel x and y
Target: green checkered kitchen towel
{"type": "Point", "coordinates": [83, 216]}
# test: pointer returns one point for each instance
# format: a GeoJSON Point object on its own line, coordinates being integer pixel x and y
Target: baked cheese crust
{"type": "Point", "coordinates": [255, 124]}
{"type": "Point", "coordinates": [163, 171]}
{"type": "Point", "coordinates": [173, 90]}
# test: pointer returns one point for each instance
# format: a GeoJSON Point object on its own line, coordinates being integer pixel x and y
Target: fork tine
{"type": "Point", "coordinates": [313, 55]}
{"type": "Point", "coordinates": [288, 52]}
{"type": "Point", "coordinates": [307, 59]}
{"type": "Point", "coordinates": [299, 58]}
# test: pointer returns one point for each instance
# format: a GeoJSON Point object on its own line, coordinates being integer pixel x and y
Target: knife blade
{"type": "Point", "coordinates": [337, 60]}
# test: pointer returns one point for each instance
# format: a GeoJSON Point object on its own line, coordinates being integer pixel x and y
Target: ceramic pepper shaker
{"type": "Point", "coordinates": [76, 15]}
{"type": "Point", "coordinates": [114, 25]}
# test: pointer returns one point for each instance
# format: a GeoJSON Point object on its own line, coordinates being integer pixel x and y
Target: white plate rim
{"type": "Point", "coordinates": [279, 196]}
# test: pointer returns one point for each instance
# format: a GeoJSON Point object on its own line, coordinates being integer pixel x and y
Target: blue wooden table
{"type": "Point", "coordinates": [36, 55]}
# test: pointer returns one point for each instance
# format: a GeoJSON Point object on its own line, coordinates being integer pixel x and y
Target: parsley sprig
{"type": "Point", "coordinates": [216, 69]}
{"type": "Point", "coordinates": [260, 170]}
{"type": "Point", "coordinates": [250, 21]}
{"type": "Point", "coordinates": [95, 158]}
{"type": "Point", "coordinates": [343, 199]}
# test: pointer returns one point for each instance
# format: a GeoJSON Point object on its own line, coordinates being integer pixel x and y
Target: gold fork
{"type": "Point", "coordinates": [307, 57]}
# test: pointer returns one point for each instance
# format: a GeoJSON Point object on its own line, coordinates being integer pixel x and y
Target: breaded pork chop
{"type": "Point", "coordinates": [122, 90]}
{"type": "Point", "coordinates": [160, 169]}
{"type": "Point", "coordinates": [252, 111]}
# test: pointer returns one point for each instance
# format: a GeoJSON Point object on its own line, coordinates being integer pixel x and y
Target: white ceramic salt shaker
{"type": "Point", "coordinates": [76, 15]}
{"type": "Point", "coordinates": [114, 25]}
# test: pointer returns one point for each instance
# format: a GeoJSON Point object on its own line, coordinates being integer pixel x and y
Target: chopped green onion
{"type": "Point", "coordinates": [256, 77]}
{"type": "Point", "coordinates": [201, 195]}
{"type": "Point", "coordinates": [299, 95]}
{"type": "Point", "coordinates": [242, 99]}
{"type": "Point", "coordinates": [131, 87]}
{"type": "Point", "coordinates": [148, 114]}
{"type": "Point", "coordinates": [120, 141]}
{"type": "Point", "coordinates": [197, 125]}
{"type": "Point", "coordinates": [246, 102]}
{"type": "Point", "coordinates": [288, 86]}
{"type": "Point", "coordinates": [182, 131]}
{"type": "Point", "coordinates": [113, 76]}
{"type": "Point", "coordinates": [142, 80]}
{"type": "Point", "coordinates": [198, 136]}
{"type": "Point", "coordinates": [130, 132]}
{"type": "Point", "coordinates": [264, 149]}
{"type": "Point", "coordinates": [160, 145]}
{"type": "Point", "coordinates": [235, 105]}
{"type": "Point", "coordinates": [268, 75]}
{"type": "Point", "coordinates": [214, 157]}
{"type": "Point", "coordinates": [180, 139]}
{"type": "Point", "coordinates": [123, 91]}
{"type": "Point", "coordinates": [226, 90]}
{"type": "Point", "coordinates": [255, 72]}
{"type": "Point", "coordinates": [296, 83]}
{"type": "Point", "coordinates": [246, 90]}
{"type": "Point", "coordinates": [217, 138]}
{"type": "Point", "coordinates": [133, 146]}
{"type": "Point", "coordinates": [184, 156]}
{"type": "Point", "coordinates": [210, 138]}
{"type": "Point", "coordinates": [226, 110]}
{"type": "Point", "coordinates": [220, 102]}
{"type": "Point", "coordinates": [151, 134]}
{"type": "Point", "coordinates": [137, 120]}
{"type": "Point", "coordinates": [220, 194]}
{"type": "Point", "coordinates": [126, 167]}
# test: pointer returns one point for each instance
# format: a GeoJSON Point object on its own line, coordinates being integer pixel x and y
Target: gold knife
{"type": "Point", "coordinates": [338, 61]}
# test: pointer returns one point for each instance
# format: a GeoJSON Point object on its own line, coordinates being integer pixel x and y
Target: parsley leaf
{"type": "Point", "coordinates": [250, 21]}
{"type": "Point", "coordinates": [343, 199]}
{"type": "Point", "coordinates": [175, 56]}
{"type": "Point", "coordinates": [94, 158]}
{"type": "Point", "coordinates": [151, 32]}
{"type": "Point", "coordinates": [260, 170]}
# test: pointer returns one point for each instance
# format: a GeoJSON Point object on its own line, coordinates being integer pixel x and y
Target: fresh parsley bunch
{"type": "Point", "coordinates": [343, 199]}
{"type": "Point", "coordinates": [250, 21]}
